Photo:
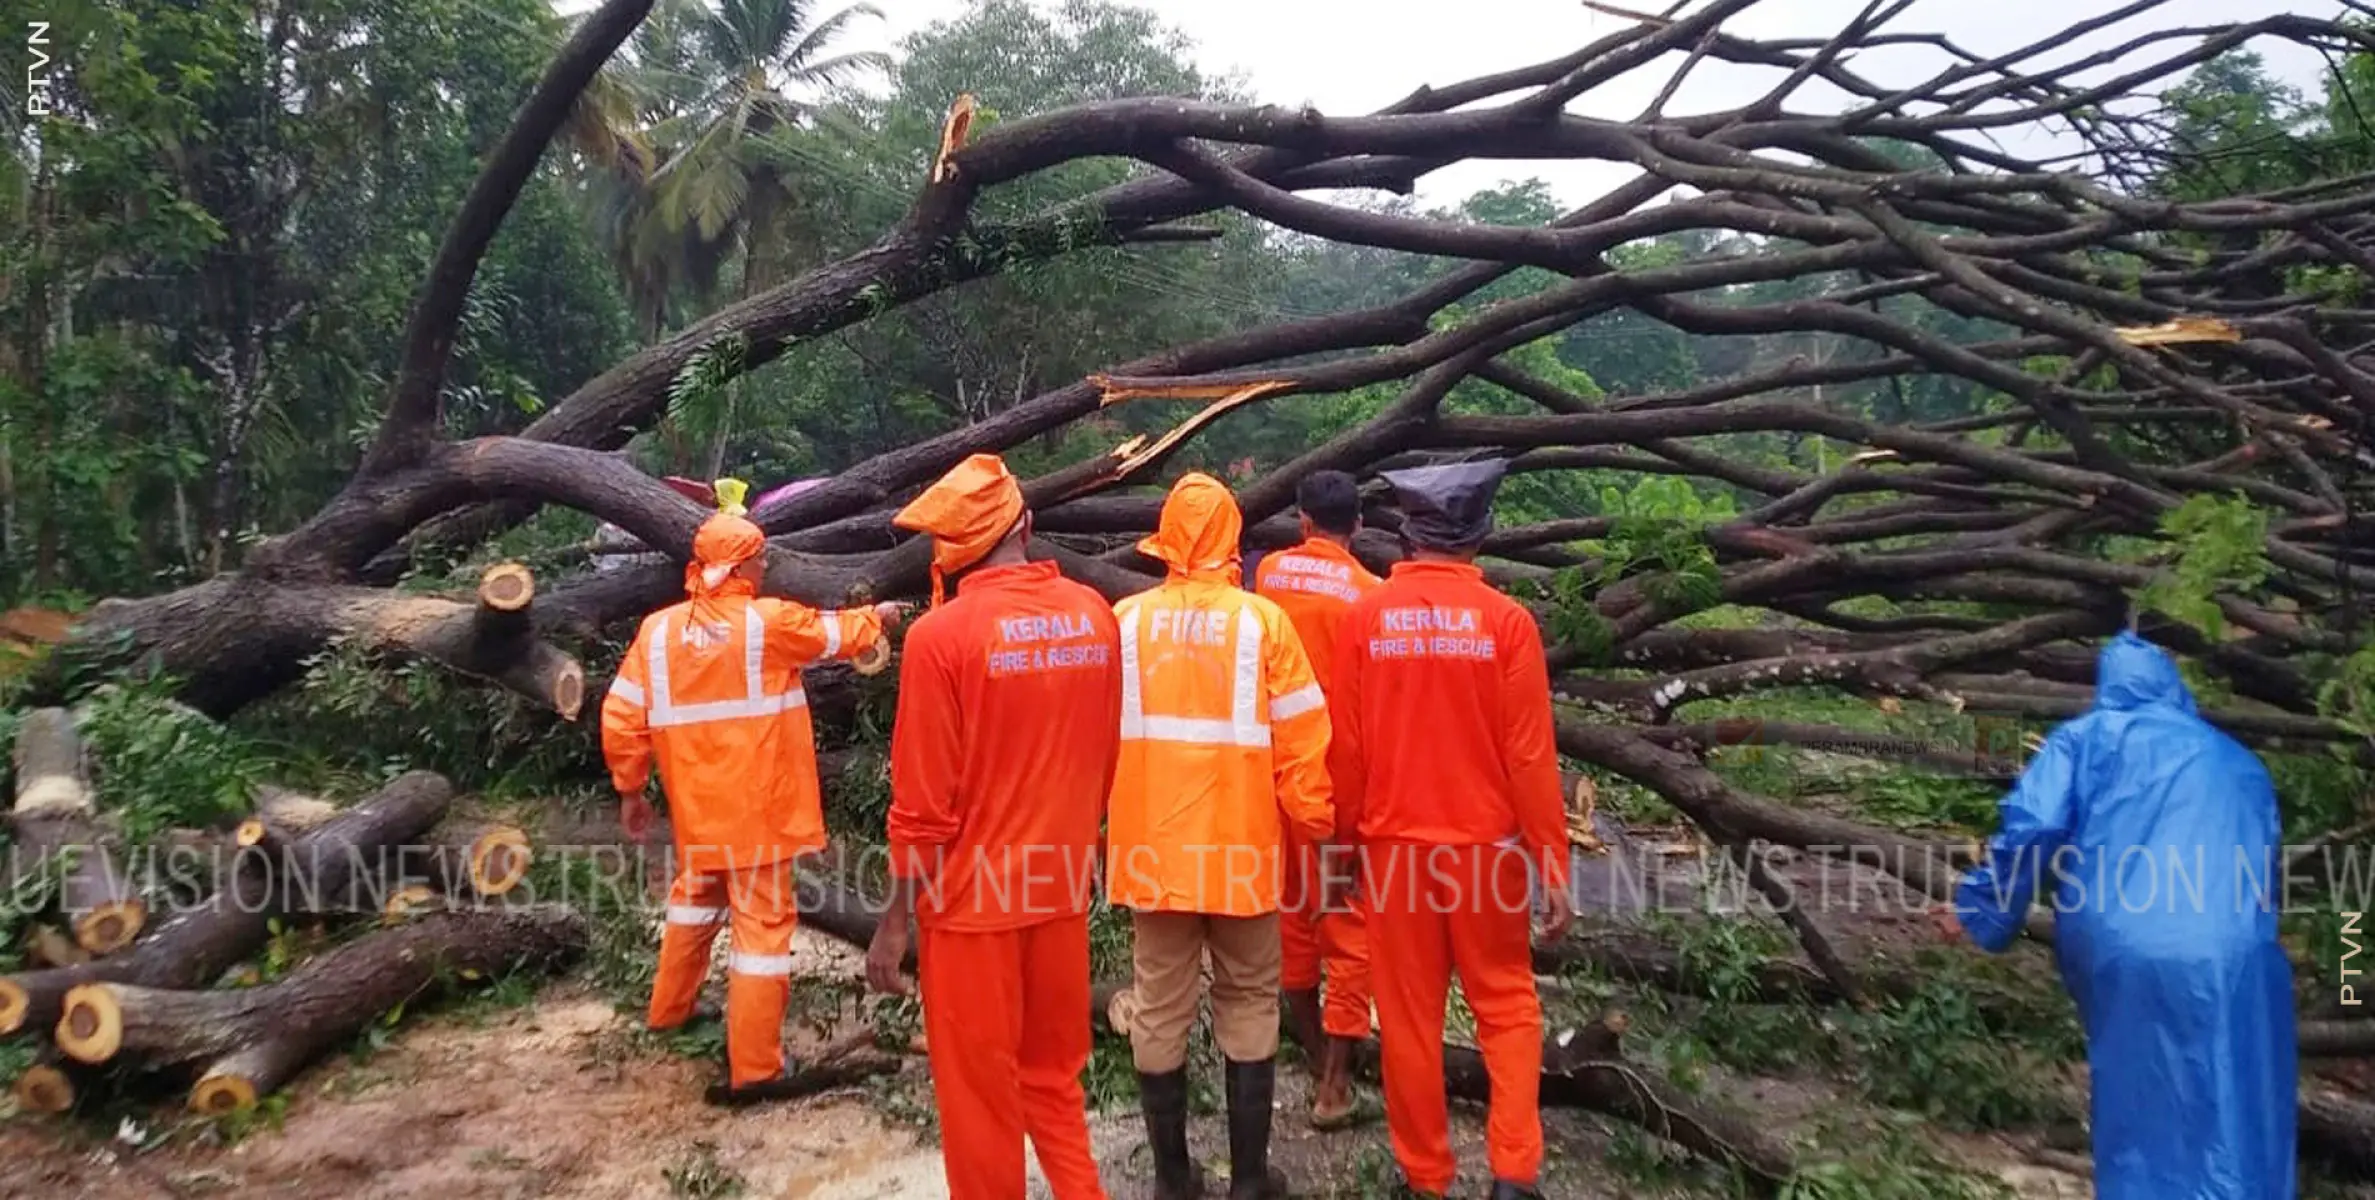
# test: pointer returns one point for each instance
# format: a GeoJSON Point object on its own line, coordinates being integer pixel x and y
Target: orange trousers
{"type": "Point", "coordinates": [761, 906]}
{"type": "Point", "coordinates": [1434, 910]}
{"type": "Point", "coordinates": [1312, 941]}
{"type": "Point", "coordinates": [1005, 1021]}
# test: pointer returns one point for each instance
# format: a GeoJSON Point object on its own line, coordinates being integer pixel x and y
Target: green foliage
{"type": "Point", "coordinates": [159, 765]}
{"type": "Point", "coordinates": [2347, 695]}
{"type": "Point", "coordinates": [1929, 800]}
{"type": "Point", "coordinates": [365, 719]}
{"type": "Point", "coordinates": [2221, 547]}
{"type": "Point", "coordinates": [1659, 529]}
{"type": "Point", "coordinates": [1935, 1053]}
{"type": "Point", "coordinates": [1887, 1160]}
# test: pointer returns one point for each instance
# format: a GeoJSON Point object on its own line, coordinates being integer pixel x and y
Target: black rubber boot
{"type": "Point", "coordinates": [787, 1086]}
{"type": "Point", "coordinates": [1505, 1190]}
{"type": "Point", "coordinates": [1253, 1091]}
{"type": "Point", "coordinates": [1163, 1099]}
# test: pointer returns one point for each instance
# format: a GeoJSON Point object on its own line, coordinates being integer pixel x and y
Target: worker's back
{"type": "Point", "coordinates": [1315, 583]}
{"type": "Point", "coordinates": [717, 684]}
{"type": "Point", "coordinates": [1224, 731]}
{"type": "Point", "coordinates": [1442, 706]}
{"type": "Point", "coordinates": [2174, 839]}
{"type": "Point", "coordinates": [1008, 705]}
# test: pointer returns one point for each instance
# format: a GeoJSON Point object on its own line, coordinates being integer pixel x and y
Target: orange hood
{"type": "Point", "coordinates": [723, 543]}
{"type": "Point", "coordinates": [967, 512]}
{"type": "Point", "coordinates": [1199, 532]}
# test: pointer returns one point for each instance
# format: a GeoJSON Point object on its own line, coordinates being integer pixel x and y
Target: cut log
{"type": "Point", "coordinates": [471, 858]}
{"type": "Point", "coordinates": [195, 946]}
{"type": "Point", "coordinates": [46, 945]}
{"type": "Point", "coordinates": [274, 1031]}
{"type": "Point", "coordinates": [53, 1083]}
{"type": "Point", "coordinates": [281, 816]}
{"type": "Point", "coordinates": [494, 640]}
{"type": "Point", "coordinates": [58, 830]}
{"type": "Point", "coordinates": [411, 901]}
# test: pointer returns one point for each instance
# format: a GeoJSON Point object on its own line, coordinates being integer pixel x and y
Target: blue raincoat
{"type": "Point", "coordinates": [2158, 835]}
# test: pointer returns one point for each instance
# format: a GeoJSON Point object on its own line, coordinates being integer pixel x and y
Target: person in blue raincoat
{"type": "Point", "coordinates": [2160, 838]}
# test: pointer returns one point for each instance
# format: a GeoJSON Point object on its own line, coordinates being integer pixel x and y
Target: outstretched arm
{"type": "Point", "coordinates": [1992, 901]}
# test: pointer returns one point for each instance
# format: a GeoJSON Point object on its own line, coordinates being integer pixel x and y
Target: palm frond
{"type": "Point", "coordinates": [813, 42]}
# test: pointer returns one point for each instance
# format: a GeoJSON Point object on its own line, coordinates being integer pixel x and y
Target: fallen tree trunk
{"type": "Point", "coordinates": [333, 997]}
{"type": "Point", "coordinates": [2339, 1130]}
{"type": "Point", "coordinates": [196, 946]}
{"type": "Point", "coordinates": [58, 830]}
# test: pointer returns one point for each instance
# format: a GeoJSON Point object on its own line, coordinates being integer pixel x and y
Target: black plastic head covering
{"type": "Point", "coordinates": [1450, 506]}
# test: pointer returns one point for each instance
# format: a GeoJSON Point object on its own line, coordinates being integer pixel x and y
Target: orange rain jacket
{"type": "Point", "coordinates": [1003, 754]}
{"type": "Point", "coordinates": [710, 691]}
{"type": "Point", "coordinates": [1443, 733]}
{"type": "Point", "coordinates": [1223, 726]}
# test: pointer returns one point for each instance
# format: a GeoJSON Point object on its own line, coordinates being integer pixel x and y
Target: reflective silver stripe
{"type": "Point", "coordinates": [1297, 702]}
{"type": "Point", "coordinates": [666, 716]}
{"type": "Point", "coordinates": [1244, 725]}
{"type": "Point", "coordinates": [756, 701]}
{"type": "Point", "coordinates": [626, 690]}
{"type": "Point", "coordinates": [1203, 731]}
{"type": "Point", "coordinates": [754, 651]}
{"type": "Point", "coordinates": [693, 914]}
{"type": "Point", "coordinates": [1244, 711]}
{"type": "Point", "coordinates": [759, 964]}
{"type": "Point", "coordinates": [657, 653]}
{"type": "Point", "coordinates": [1133, 699]}
{"type": "Point", "coordinates": [832, 622]}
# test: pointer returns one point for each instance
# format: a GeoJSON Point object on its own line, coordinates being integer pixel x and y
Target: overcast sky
{"type": "Point", "coordinates": [1351, 56]}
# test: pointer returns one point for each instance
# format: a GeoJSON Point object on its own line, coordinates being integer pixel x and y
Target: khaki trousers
{"type": "Point", "coordinates": [1168, 953]}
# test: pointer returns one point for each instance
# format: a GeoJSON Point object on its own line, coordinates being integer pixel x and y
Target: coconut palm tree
{"type": "Point", "coordinates": [707, 84]}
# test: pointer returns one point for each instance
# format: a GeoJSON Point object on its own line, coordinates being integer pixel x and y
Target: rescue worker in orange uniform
{"type": "Point", "coordinates": [709, 692]}
{"type": "Point", "coordinates": [1001, 758]}
{"type": "Point", "coordinates": [1445, 765]}
{"type": "Point", "coordinates": [1224, 737]}
{"type": "Point", "coordinates": [1316, 582]}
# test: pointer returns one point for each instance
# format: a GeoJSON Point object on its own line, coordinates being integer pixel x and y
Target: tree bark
{"type": "Point", "coordinates": [260, 1038]}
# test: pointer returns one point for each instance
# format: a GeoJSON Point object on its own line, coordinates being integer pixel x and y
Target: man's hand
{"type": "Point", "coordinates": [1558, 913]}
{"type": "Point", "coordinates": [634, 815]}
{"type": "Point", "coordinates": [893, 613]}
{"type": "Point", "coordinates": [1949, 923]}
{"type": "Point", "coordinates": [884, 955]}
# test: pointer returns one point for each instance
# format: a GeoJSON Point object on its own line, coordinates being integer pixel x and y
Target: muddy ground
{"type": "Point", "coordinates": [563, 1097]}
{"type": "Point", "coordinates": [559, 1100]}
